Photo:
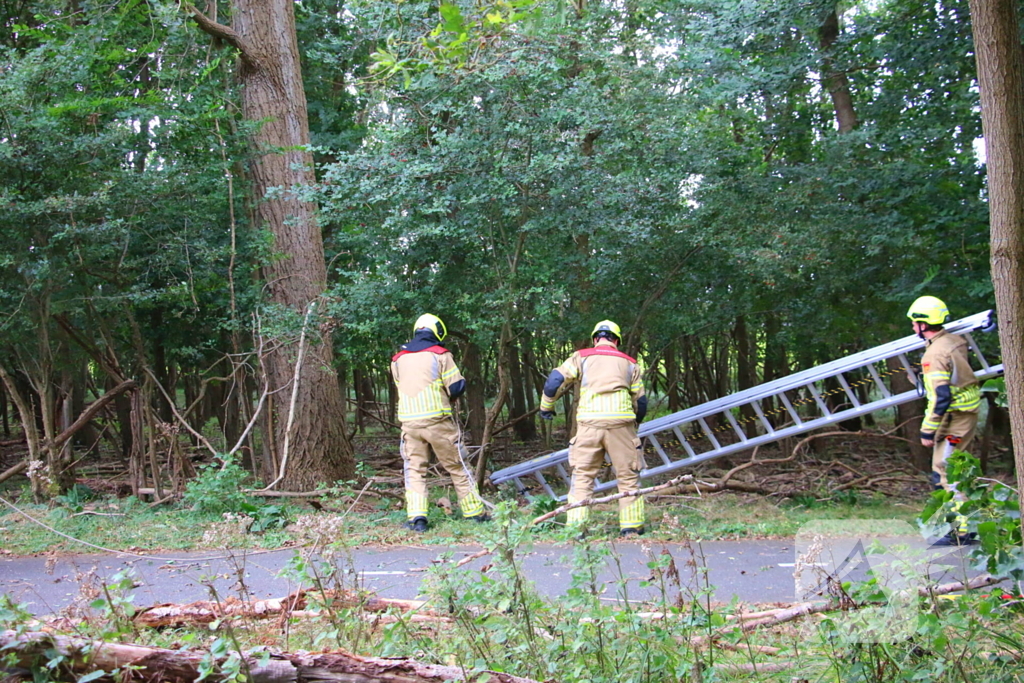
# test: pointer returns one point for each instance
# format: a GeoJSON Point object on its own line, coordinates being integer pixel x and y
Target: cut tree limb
{"type": "Point", "coordinates": [803, 609]}
{"type": "Point", "coordinates": [160, 665]}
{"type": "Point", "coordinates": [206, 611]}
{"type": "Point", "coordinates": [89, 413]}
{"type": "Point", "coordinates": [14, 470]}
{"type": "Point", "coordinates": [607, 499]}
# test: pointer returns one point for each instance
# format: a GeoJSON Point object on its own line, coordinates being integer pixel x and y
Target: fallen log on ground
{"type": "Point", "coordinates": [208, 611]}
{"type": "Point", "coordinates": [16, 469]}
{"type": "Point", "coordinates": [796, 611]}
{"type": "Point", "coordinates": [159, 665]}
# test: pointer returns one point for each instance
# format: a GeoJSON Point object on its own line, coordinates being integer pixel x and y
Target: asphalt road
{"type": "Point", "coordinates": [751, 571]}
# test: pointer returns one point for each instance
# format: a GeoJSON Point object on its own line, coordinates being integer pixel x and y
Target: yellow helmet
{"type": "Point", "coordinates": [607, 326]}
{"type": "Point", "coordinates": [432, 323]}
{"type": "Point", "coordinates": [929, 310]}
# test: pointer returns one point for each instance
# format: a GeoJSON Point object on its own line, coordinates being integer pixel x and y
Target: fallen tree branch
{"type": "Point", "coordinates": [803, 609]}
{"type": "Point", "coordinates": [294, 399]}
{"type": "Point", "coordinates": [475, 556]}
{"type": "Point", "coordinates": [607, 499]}
{"type": "Point", "coordinates": [206, 611]}
{"type": "Point", "coordinates": [14, 470]}
{"type": "Point", "coordinates": [160, 665]}
{"type": "Point", "coordinates": [181, 420]}
{"type": "Point", "coordinates": [712, 486]}
{"type": "Point", "coordinates": [89, 413]}
{"type": "Point", "coordinates": [515, 420]}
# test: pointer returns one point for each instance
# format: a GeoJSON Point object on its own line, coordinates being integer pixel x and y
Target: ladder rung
{"type": "Point", "coordinates": [884, 390]}
{"type": "Point", "coordinates": [566, 477]}
{"type": "Point", "coordinates": [977, 351]}
{"type": "Point", "coordinates": [736, 428]}
{"type": "Point", "coordinates": [789, 408]}
{"type": "Point", "coordinates": [817, 399]}
{"type": "Point", "coordinates": [908, 366]}
{"type": "Point", "coordinates": [682, 439]}
{"type": "Point", "coordinates": [544, 483]}
{"type": "Point", "coordinates": [657, 447]}
{"type": "Point", "coordinates": [708, 433]}
{"type": "Point", "coordinates": [764, 420]}
{"type": "Point", "coordinates": [849, 392]}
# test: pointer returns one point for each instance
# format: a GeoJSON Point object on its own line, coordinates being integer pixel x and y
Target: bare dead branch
{"type": "Point", "coordinates": [607, 499]}
{"type": "Point", "coordinates": [225, 33]}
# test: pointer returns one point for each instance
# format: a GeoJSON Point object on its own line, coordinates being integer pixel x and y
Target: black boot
{"type": "Point", "coordinates": [417, 524]}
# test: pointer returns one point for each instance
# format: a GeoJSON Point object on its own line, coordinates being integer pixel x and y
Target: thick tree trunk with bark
{"type": "Point", "coordinates": [31, 650]}
{"type": "Point", "coordinates": [1001, 82]}
{"type": "Point", "coordinates": [273, 95]}
{"type": "Point", "coordinates": [836, 82]}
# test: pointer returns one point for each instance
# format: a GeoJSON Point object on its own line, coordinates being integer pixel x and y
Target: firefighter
{"type": "Point", "coordinates": [954, 396]}
{"type": "Point", "coordinates": [428, 381]}
{"type": "Point", "coordinates": [611, 404]}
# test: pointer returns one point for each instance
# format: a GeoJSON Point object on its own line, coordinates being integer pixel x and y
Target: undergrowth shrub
{"type": "Point", "coordinates": [218, 488]}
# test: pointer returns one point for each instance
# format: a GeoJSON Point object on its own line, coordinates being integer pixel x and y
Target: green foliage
{"type": "Point", "coordinates": [218, 488]}
{"type": "Point", "coordinates": [996, 386]}
{"type": "Point", "coordinates": [265, 517]}
{"type": "Point", "coordinates": [75, 498]}
{"type": "Point", "coordinates": [992, 510]}
{"type": "Point", "coordinates": [116, 606]}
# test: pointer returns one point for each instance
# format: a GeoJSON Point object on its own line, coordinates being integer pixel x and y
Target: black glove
{"type": "Point", "coordinates": [547, 415]}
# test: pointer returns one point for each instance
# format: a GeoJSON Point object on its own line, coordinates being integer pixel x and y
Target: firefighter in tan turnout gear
{"type": "Point", "coordinates": [954, 396]}
{"type": "Point", "coordinates": [611, 404]}
{"type": "Point", "coordinates": [428, 380]}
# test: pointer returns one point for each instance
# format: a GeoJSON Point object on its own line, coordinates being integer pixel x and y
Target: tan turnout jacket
{"type": "Point", "coordinates": [423, 378]}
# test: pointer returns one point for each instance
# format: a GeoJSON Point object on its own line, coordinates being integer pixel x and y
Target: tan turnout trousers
{"type": "Point", "coordinates": [586, 458]}
{"type": "Point", "coordinates": [955, 423]}
{"type": "Point", "coordinates": [443, 437]}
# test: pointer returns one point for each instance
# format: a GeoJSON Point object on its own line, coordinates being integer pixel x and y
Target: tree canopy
{"type": "Point", "coordinates": [745, 186]}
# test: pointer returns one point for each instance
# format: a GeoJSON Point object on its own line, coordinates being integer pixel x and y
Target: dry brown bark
{"type": "Point", "coordinates": [159, 665]}
{"type": "Point", "coordinates": [263, 31]}
{"type": "Point", "coordinates": [1001, 84]}
{"type": "Point", "coordinates": [206, 611]}
{"type": "Point", "coordinates": [836, 82]}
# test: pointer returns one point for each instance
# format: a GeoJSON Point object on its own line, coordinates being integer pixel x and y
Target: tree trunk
{"type": "Point", "coordinates": [775, 363]}
{"type": "Point", "coordinates": [1001, 82]}
{"type": "Point", "coordinates": [501, 362]}
{"type": "Point", "coordinates": [910, 416]}
{"type": "Point", "coordinates": [525, 429]}
{"type": "Point", "coordinates": [672, 378]}
{"type": "Point", "coordinates": [28, 418]}
{"type": "Point", "coordinates": [32, 649]}
{"type": "Point", "coordinates": [272, 94]}
{"type": "Point", "coordinates": [3, 413]}
{"type": "Point", "coordinates": [472, 370]}
{"type": "Point", "coordinates": [836, 82]}
{"type": "Point", "coordinates": [746, 364]}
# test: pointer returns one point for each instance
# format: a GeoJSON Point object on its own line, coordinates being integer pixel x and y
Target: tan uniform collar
{"type": "Point", "coordinates": [941, 333]}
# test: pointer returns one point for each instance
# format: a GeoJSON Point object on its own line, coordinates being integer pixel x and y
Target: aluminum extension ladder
{"type": "Point", "coordinates": [760, 415]}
